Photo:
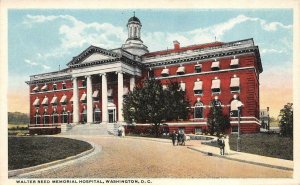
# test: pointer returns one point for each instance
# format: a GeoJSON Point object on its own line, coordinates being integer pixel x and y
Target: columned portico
{"type": "Point", "coordinates": [89, 99]}
{"type": "Point", "coordinates": [120, 97]}
{"type": "Point", "coordinates": [104, 99]}
{"type": "Point", "coordinates": [75, 101]}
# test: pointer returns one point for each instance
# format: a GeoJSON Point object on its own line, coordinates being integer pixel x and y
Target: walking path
{"type": "Point", "coordinates": [233, 155]}
{"type": "Point", "coordinates": [138, 157]}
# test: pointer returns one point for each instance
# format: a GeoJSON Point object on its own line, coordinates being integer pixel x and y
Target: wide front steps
{"type": "Point", "coordinates": [84, 129]}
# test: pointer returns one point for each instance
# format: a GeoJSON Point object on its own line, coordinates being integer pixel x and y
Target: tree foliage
{"type": "Point", "coordinates": [152, 104]}
{"type": "Point", "coordinates": [18, 118]}
{"type": "Point", "coordinates": [286, 120]}
{"type": "Point", "coordinates": [176, 103]}
{"type": "Point", "coordinates": [217, 122]}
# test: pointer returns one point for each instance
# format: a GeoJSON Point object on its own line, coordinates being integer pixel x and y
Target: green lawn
{"type": "Point", "coordinates": [271, 145]}
{"type": "Point", "coordinates": [31, 151]}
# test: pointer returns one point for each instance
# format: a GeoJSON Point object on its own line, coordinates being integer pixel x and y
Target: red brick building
{"type": "Point", "coordinates": [91, 88]}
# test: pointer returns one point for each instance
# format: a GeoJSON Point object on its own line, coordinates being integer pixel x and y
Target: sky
{"type": "Point", "coordinates": [44, 40]}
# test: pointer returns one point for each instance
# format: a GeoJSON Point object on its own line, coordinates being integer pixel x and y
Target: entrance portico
{"type": "Point", "coordinates": [99, 74]}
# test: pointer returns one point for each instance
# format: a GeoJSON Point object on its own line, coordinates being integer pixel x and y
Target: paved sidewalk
{"type": "Point", "coordinates": [233, 155]}
{"type": "Point", "coordinates": [245, 157]}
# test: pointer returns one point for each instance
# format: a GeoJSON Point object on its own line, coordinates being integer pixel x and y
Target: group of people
{"type": "Point", "coordinates": [180, 137]}
{"type": "Point", "coordinates": [223, 143]}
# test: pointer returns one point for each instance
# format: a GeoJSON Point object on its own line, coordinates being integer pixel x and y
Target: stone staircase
{"type": "Point", "coordinates": [85, 129]}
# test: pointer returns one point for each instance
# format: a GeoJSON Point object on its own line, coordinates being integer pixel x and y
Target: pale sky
{"type": "Point", "coordinates": [41, 40]}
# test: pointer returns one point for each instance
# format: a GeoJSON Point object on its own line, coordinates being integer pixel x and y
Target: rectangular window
{"type": "Point", "coordinates": [198, 68]}
{"type": "Point", "coordinates": [235, 84]}
{"type": "Point", "coordinates": [182, 86]}
{"type": "Point", "coordinates": [96, 95]}
{"type": "Point", "coordinates": [83, 83]}
{"type": "Point", "coordinates": [215, 88]}
{"type": "Point", "coordinates": [234, 63]}
{"type": "Point", "coordinates": [234, 129]}
{"type": "Point", "coordinates": [64, 86]}
{"type": "Point", "coordinates": [165, 72]}
{"type": "Point", "coordinates": [215, 66]}
{"type": "Point", "coordinates": [54, 87]}
{"type": "Point", "coordinates": [180, 70]}
{"type": "Point", "coordinates": [198, 88]}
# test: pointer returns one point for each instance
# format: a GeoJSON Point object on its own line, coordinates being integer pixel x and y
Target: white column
{"type": "Point", "coordinates": [120, 97]}
{"type": "Point", "coordinates": [132, 83]}
{"type": "Point", "coordinates": [104, 99]}
{"type": "Point", "coordinates": [89, 99]}
{"type": "Point", "coordinates": [75, 102]}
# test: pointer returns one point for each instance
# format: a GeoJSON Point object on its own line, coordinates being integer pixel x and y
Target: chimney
{"type": "Point", "coordinates": [176, 45]}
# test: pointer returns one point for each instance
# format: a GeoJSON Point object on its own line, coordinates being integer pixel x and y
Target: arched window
{"type": "Point", "coordinates": [46, 118]}
{"type": "Point", "coordinates": [199, 110]}
{"type": "Point", "coordinates": [55, 117]}
{"type": "Point", "coordinates": [37, 117]}
{"type": "Point", "coordinates": [64, 117]}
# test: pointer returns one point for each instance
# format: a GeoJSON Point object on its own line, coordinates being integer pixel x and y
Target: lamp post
{"type": "Point", "coordinates": [239, 106]}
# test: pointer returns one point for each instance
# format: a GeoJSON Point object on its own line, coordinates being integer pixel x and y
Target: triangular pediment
{"type": "Point", "coordinates": [92, 54]}
{"type": "Point", "coordinates": [95, 57]}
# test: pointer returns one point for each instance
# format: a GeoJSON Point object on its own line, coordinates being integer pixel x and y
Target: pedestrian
{"type": "Point", "coordinates": [221, 144]}
{"type": "Point", "coordinates": [174, 137]}
{"type": "Point", "coordinates": [178, 138]}
{"type": "Point", "coordinates": [227, 146]}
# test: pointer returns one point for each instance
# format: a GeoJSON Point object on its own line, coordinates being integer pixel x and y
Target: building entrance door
{"type": "Point", "coordinates": [111, 112]}
{"type": "Point", "coordinates": [111, 115]}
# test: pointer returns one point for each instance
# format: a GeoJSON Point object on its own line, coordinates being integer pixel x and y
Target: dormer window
{"type": "Point", "coordinates": [234, 63]}
{"type": "Point", "coordinates": [198, 68]}
{"type": "Point", "coordinates": [180, 70]}
{"type": "Point", "coordinates": [215, 66]}
{"type": "Point", "coordinates": [165, 72]}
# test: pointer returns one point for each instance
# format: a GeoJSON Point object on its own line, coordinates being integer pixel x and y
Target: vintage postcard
{"type": "Point", "coordinates": [140, 92]}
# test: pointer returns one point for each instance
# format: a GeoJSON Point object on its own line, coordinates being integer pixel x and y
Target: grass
{"type": "Point", "coordinates": [271, 145]}
{"type": "Point", "coordinates": [17, 126]}
{"type": "Point", "coordinates": [31, 151]}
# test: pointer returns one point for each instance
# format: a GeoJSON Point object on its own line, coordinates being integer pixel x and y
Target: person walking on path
{"type": "Point", "coordinates": [221, 144]}
{"type": "Point", "coordinates": [227, 147]}
{"type": "Point", "coordinates": [174, 137]}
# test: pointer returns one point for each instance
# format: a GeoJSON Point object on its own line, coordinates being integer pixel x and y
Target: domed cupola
{"type": "Point", "coordinates": [134, 44]}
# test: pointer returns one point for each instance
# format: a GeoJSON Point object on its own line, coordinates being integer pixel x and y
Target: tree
{"type": "Point", "coordinates": [217, 121]}
{"type": "Point", "coordinates": [18, 118]}
{"type": "Point", "coordinates": [151, 104]}
{"type": "Point", "coordinates": [176, 102]}
{"type": "Point", "coordinates": [286, 120]}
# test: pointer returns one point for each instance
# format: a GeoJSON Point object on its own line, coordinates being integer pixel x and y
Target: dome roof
{"type": "Point", "coordinates": [134, 18]}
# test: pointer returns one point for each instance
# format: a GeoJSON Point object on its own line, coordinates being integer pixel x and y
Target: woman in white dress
{"type": "Point", "coordinates": [227, 147]}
